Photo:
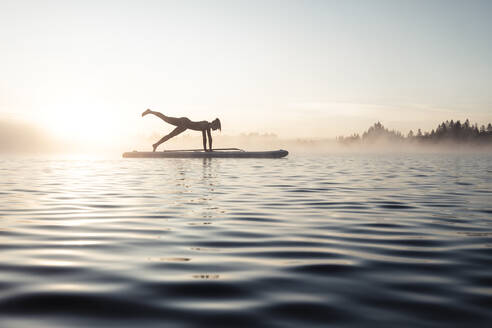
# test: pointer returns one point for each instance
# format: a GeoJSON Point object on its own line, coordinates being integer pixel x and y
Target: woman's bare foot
{"type": "Point", "coordinates": [154, 146]}
{"type": "Point", "coordinates": [147, 111]}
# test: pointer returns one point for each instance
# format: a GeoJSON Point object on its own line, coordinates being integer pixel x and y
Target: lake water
{"type": "Point", "coordinates": [312, 240]}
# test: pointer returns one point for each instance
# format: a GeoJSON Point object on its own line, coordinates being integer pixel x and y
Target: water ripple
{"type": "Point", "coordinates": [343, 240]}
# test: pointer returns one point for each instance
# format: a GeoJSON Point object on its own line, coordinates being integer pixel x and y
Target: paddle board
{"type": "Point", "coordinates": [217, 153]}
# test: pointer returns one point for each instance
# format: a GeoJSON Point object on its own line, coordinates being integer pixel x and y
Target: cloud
{"type": "Point", "coordinates": [359, 110]}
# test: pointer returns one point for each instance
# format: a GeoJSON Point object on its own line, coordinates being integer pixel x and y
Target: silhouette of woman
{"type": "Point", "coordinates": [184, 123]}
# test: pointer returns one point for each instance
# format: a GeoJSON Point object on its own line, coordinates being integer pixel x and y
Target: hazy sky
{"type": "Point", "coordinates": [87, 69]}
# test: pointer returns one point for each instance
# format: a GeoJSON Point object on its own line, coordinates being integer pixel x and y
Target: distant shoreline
{"type": "Point", "coordinates": [450, 136]}
{"type": "Point", "coordinates": [449, 133]}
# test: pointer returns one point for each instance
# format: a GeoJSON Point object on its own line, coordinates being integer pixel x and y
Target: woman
{"type": "Point", "coordinates": [184, 123]}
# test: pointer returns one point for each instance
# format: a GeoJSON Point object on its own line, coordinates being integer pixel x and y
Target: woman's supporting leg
{"type": "Point", "coordinates": [171, 120]}
{"type": "Point", "coordinates": [173, 133]}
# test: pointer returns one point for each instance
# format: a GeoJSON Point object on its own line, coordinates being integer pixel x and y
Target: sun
{"type": "Point", "coordinates": [88, 124]}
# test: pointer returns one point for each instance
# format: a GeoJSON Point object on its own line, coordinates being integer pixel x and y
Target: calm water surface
{"type": "Point", "coordinates": [342, 240]}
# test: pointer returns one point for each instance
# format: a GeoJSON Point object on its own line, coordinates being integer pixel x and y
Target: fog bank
{"type": "Point", "coordinates": [24, 138]}
{"type": "Point", "coordinates": [17, 138]}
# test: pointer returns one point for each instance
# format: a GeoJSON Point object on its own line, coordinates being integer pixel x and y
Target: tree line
{"type": "Point", "coordinates": [449, 131]}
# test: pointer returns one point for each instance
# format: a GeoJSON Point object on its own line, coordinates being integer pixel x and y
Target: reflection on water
{"type": "Point", "coordinates": [344, 239]}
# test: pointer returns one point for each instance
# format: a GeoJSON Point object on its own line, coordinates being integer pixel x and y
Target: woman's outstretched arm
{"type": "Point", "coordinates": [209, 133]}
{"type": "Point", "coordinates": [204, 140]}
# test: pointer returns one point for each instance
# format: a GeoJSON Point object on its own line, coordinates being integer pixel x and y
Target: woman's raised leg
{"type": "Point", "coordinates": [171, 120]}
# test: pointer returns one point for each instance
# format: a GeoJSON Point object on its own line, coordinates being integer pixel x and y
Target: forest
{"type": "Point", "coordinates": [446, 132]}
